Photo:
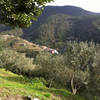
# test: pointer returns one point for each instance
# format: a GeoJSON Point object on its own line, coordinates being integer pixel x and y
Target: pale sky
{"type": "Point", "coordinates": [91, 5]}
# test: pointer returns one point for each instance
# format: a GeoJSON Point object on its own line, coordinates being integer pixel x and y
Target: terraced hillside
{"type": "Point", "coordinates": [19, 44]}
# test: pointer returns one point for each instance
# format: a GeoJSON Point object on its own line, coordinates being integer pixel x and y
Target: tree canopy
{"type": "Point", "coordinates": [20, 12]}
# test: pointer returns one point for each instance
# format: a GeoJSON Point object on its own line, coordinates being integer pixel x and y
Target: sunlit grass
{"type": "Point", "coordinates": [12, 84]}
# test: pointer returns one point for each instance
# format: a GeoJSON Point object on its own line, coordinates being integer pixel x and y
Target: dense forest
{"type": "Point", "coordinates": [74, 24]}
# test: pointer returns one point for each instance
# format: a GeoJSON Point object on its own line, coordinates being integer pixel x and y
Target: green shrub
{"type": "Point", "coordinates": [16, 62]}
{"type": "Point", "coordinates": [2, 44]}
{"type": "Point", "coordinates": [31, 54]}
{"type": "Point", "coordinates": [47, 95]}
{"type": "Point", "coordinates": [94, 82]}
{"type": "Point", "coordinates": [51, 68]}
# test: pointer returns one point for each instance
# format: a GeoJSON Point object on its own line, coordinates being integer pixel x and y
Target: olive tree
{"type": "Point", "coordinates": [51, 68]}
{"type": "Point", "coordinates": [16, 62]}
{"type": "Point", "coordinates": [94, 83]}
{"type": "Point", "coordinates": [79, 58]}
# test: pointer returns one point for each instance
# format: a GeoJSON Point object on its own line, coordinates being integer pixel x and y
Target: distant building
{"type": "Point", "coordinates": [20, 44]}
{"type": "Point", "coordinates": [53, 51]}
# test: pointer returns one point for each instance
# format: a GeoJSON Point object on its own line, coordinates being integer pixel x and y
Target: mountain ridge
{"type": "Point", "coordinates": [64, 23]}
{"type": "Point", "coordinates": [68, 10]}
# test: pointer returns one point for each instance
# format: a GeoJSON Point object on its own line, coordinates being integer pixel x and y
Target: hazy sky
{"type": "Point", "coordinates": [91, 5]}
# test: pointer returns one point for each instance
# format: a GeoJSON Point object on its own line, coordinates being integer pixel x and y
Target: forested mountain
{"type": "Point", "coordinates": [59, 24]}
{"type": "Point", "coordinates": [69, 10]}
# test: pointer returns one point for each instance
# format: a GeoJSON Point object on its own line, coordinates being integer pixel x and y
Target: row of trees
{"type": "Point", "coordinates": [71, 69]}
{"type": "Point", "coordinates": [77, 69]}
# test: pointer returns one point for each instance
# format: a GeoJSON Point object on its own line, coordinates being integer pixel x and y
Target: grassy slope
{"type": "Point", "coordinates": [17, 85]}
